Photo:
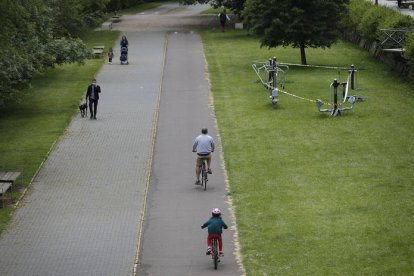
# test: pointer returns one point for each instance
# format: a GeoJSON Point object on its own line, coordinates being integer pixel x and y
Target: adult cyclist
{"type": "Point", "coordinates": [204, 146]}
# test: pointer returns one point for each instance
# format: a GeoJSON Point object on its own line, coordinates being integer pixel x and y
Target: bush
{"type": "Point", "coordinates": [409, 48]}
{"type": "Point", "coordinates": [367, 20]}
{"type": "Point", "coordinates": [35, 36]}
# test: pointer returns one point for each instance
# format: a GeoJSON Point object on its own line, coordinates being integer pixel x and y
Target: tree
{"type": "Point", "coordinates": [300, 23]}
{"type": "Point", "coordinates": [68, 17]}
{"type": "Point", "coordinates": [29, 44]}
{"type": "Point", "coordinates": [236, 6]}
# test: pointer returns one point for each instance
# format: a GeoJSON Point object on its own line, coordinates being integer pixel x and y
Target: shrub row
{"type": "Point", "coordinates": [365, 20]}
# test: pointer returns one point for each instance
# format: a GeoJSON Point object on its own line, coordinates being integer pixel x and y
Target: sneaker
{"type": "Point", "coordinates": [221, 254]}
{"type": "Point", "coordinates": [208, 251]}
{"type": "Point", "coordinates": [197, 182]}
{"type": "Point", "coordinates": [209, 171]}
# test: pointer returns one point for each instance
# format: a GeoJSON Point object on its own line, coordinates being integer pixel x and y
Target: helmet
{"type": "Point", "coordinates": [216, 211]}
{"type": "Point", "coordinates": [204, 130]}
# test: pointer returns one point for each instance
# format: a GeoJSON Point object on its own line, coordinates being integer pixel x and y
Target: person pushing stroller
{"type": "Point", "coordinates": [124, 50]}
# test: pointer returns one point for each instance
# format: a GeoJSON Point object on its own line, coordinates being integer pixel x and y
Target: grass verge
{"type": "Point", "coordinates": [314, 194]}
{"type": "Point", "coordinates": [30, 126]}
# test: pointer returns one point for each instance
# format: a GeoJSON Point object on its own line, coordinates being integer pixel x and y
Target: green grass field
{"type": "Point", "coordinates": [315, 194]}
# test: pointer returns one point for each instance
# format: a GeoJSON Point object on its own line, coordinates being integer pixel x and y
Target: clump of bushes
{"type": "Point", "coordinates": [366, 19]}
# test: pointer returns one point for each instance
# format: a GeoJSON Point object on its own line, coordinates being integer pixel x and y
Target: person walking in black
{"type": "Point", "coordinates": [223, 19]}
{"type": "Point", "coordinates": [92, 93]}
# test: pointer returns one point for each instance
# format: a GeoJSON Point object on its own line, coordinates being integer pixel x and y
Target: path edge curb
{"type": "Point", "coordinates": [149, 164]}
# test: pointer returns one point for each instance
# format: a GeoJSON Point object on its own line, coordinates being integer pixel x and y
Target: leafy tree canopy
{"type": "Point", "coordinates": [30, 42]}
{"type": "Point", "coordinates": [300, 23]}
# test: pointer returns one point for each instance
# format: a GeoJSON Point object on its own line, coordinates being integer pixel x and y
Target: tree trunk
{"type": "Point", "coordinates": [303, 54]}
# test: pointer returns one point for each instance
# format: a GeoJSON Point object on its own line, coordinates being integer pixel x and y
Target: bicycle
{"type": "Point", "coordinates": [204, 177]}
{"type": "Point", "coordinates": [214, 252]}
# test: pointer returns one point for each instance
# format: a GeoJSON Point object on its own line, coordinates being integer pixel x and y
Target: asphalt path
{"type": "Point", "coordinates": [173, 242]}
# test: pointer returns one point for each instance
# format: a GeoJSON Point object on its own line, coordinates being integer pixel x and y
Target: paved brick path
{"type": "Point", "coordinates": [82, 214]}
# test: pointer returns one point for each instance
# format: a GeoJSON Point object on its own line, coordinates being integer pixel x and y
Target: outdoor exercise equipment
{"type": "Point", "coordinates": [341, 101]}
{"type": "Point", "coordinates": [353, 77]}
{"type": "Point", "coordinates": [273, 78]}
{"type": "Point", "coordinates": [337, 99]}
{"type": "Point", "coordinates": [271, 75]}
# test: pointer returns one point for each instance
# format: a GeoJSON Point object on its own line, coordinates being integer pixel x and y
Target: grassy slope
{"type": "Point", "coordinates": [315, 194]}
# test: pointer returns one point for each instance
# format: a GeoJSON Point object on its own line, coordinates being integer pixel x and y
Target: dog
{"type": "Point", "coordinates": [83, 109]}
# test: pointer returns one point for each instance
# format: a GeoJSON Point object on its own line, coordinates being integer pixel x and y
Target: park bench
{"type": "Point", "coordinates": [106, 26]}
{"type": "Point", "coordinates": [7, 180]}
{"type": "Point", "coordinates": [98, 50]}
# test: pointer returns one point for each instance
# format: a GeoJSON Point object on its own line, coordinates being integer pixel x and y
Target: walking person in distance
{"type": "Point", "coordinates": [223, 19]}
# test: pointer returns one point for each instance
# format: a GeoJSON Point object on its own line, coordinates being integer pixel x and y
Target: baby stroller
{"type": "Point", "coordinates": [124, 55]}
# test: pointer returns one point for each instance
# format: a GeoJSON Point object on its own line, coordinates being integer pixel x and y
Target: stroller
{"type": "Point", "coordinates": [124, 55]}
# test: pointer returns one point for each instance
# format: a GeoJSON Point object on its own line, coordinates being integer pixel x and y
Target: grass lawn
{"type": "Point", "coordinates": [31, 126]}
{"type": "Point", "coordinates": [314, 194]}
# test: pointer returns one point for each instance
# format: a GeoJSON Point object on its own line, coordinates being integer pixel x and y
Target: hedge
{"type": "Point", "coordinates": [367, 20]}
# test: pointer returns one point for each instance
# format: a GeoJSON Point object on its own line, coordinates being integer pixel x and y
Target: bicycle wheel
{"type": "Point", "coordinates": [214, 252]}
{"type": "Point", "coordinates": [204, 175]}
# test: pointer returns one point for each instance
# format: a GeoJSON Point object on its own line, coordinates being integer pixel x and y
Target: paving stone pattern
{"type": "Point", "coordinates": [83, 211]}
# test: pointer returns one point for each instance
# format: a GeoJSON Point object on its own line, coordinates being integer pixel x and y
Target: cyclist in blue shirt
{"type": "Point", "coordinates": [204, 146]}
{"type": "Point", "coordinates": [215, 227]}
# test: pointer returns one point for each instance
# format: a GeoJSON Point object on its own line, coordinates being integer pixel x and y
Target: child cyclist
{"type": "Point", "coordinates": [215, 227]}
